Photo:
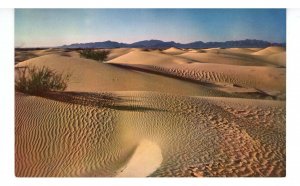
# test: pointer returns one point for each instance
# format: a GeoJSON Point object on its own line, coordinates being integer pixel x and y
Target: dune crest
{"type": "Point", "coordinates": [269, 50]}
{"type": "Point", "coordinates": [205, 113]}
{"type": "Point", "coordinates": [174, 51]}
{"type": "Point", "coordinates": [145, 160]}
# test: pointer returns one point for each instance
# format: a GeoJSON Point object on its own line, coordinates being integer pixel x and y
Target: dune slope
{"type": "Point", "coordinates": [230, 67]}
{"type": "Point", "coordinates": [92, 76]}
{"type": "Point", "coordinates": [210, 136]}
{"type": "Point", "coordinates": [175, 113]}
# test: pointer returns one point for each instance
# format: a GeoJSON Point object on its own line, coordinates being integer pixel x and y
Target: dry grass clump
{"type": "Point", "coordinates": [36, 81]}
{"type": "Point", "coordinates": [100, 55]}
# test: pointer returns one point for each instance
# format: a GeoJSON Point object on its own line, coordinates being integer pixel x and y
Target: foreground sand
{"type": "Point", "coordinates": [214, 136]}
{"type": "Point", "coordinates": [208, 112]}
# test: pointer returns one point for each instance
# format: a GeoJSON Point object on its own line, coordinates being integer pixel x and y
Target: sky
{"type": "Point", "coordinates": [55, 27]}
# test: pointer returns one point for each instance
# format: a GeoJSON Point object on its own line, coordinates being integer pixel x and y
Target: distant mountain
{"type": "Point", "coordinates": [105, 44]}
{"type": "Point", "coordinates": [247, 43]}
{"type": "Point", "coordinates": [154, 44]}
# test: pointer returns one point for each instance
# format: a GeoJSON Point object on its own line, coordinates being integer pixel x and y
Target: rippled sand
{"type": "Point", "coordinates": [220, 137]}
{"type": "Point", "coordinates": [156, 113]}
{"type": "Point", "coordinates": [263, 70]}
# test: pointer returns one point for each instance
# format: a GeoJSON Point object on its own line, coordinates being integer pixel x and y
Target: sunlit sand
{"type": "Point", "coordinates": [173, 112]}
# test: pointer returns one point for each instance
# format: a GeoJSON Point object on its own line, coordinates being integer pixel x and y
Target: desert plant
{"type": "Point", "coordinates": [37, 81]}
{"type": "Point", "coordinates": [100, 55]}
{"type": "Point", "coordinates": [145, 49]}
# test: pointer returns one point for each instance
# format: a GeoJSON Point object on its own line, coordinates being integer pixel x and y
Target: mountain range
{"type": "Point", "coordinates": [247, 43]}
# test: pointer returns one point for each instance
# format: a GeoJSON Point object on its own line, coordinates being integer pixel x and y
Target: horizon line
{"type": "Point", "coordinates": [57, 46]}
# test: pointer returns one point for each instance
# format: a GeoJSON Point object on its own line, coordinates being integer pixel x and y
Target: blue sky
{"type": "Point", "coordinates": [53, 27]}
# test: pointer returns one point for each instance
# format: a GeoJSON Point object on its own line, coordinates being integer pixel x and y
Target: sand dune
{"type": "Point", "coordinates": [119, 52]}
{"type": "Point", "coordinates": [23, 55]}
{"type": "Point", "coordinates": [278, 59]}
{"type": "Point", "coordinates": [216, 136]}
{"type": "Point", "coordinates": [151, 58]}
{"type": "Point", "coordinates": [268, 80]}
{"type": "Point", "coordinates": [272, 55]}
{"type": "Point", "coordinates": [97, 77]}
{"type": "Point", "coordinates": [192, 112]}
{"type": "Point", "coordinates": [222, 59]}
{"type": "Point", "coordinates": [269, 50]}
{"type": "Point", "coordinates": [195, 50]}
{"type": "Point", "coordinates": [212, 50]}
{"type": "Point", "coordinates": [235, 67]}
{"type": "Point", "coordinates": [174, 51]}
{"type": "Point", "coordinates": [239, 50]}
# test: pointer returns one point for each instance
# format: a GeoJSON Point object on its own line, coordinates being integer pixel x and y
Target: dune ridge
{"type": "Point", "coordinates": [231, 67]}
{"type": "Point", "coordinates": [192, 132]}
{"type": "Point", "coordinates": [101, 77]}
{"type": "Point", "coordinates": [156, 113]}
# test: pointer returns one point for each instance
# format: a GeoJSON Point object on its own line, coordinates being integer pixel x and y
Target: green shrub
{"type": "Point", "coordinates": [100, 55]}
{"type": "Point", "coordinates": [36, 81]}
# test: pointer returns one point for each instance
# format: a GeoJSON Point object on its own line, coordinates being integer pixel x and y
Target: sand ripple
{"type": "Point", "coordinates": [197, 136]}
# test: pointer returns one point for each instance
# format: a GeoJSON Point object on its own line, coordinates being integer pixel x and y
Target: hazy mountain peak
{"type": "Point", "coordinates": [154, 43]}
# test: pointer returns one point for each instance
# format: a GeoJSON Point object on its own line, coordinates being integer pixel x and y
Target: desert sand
{"type": "Point", "coordinates": [173, 112]}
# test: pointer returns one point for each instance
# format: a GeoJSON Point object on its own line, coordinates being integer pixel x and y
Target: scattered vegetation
{"type": "Point", "coordinates": [145, 49]}
{"type": "Point", "coordinates": [100, 55]}
{"type": "Point", "coordinates": [65, 54]}
{"type": "Point", "coordinates": [24, 55]}
{"type": "Point", "coordinates": [37, 81]}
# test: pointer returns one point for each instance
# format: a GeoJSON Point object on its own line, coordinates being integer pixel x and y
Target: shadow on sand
{"type": "Point", "coordinates": [98, 100]}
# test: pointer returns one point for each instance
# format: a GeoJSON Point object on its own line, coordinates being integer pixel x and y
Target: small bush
{"type": "Point", "coordinates": [36, 81]}
{"type": "Point", "coordinates": [146, 49]}
{"type": "Point", "coordinates": [95, 55]}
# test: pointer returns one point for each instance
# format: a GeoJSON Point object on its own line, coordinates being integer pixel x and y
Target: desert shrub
{"type": "Point", "coordinates": [100, 55]}
{"type": "Point", "coordinates": [145, 49]}
{"type": "Point", "coordinates": [36, 81]}
{"type": "Point", "coordinates": [65, 54]}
